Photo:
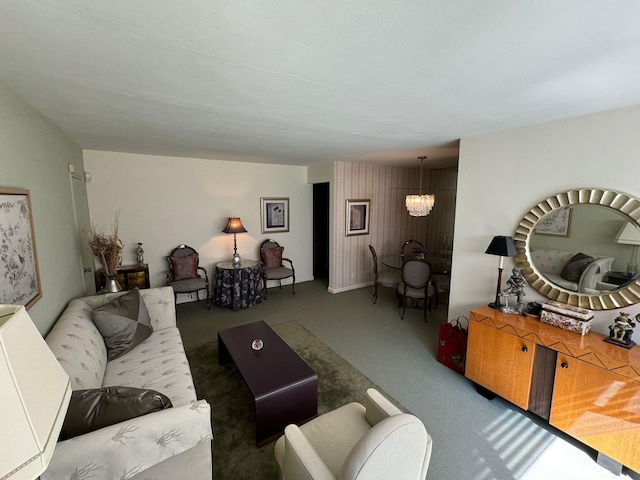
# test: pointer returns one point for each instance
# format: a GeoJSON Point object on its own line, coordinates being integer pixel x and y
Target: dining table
{"type": "Point", "coordinates": [439, 265]}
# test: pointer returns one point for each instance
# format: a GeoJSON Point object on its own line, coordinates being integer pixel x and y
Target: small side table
{"type": "Point", "coordinates": [130, 277]}
{"type": "Point", "coordinates": [238, 286]}
{"type": "Point", "coordinates": [618, 278]}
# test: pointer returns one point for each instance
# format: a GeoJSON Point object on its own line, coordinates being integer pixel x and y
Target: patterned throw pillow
{"type": "Point", "coordinates": [124, 322]}
{"type": "Point", "coordinates": [184, 267]}
{"type": "Point", "coordinates": [272, 257]}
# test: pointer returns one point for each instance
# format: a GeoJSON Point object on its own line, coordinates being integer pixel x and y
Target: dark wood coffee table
{"type": "Point", "coordinates": [283, 386]}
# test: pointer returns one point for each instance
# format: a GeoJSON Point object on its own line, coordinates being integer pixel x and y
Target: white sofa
{"type": "Point", "coordinates": [168, 444]}
{"type": "Point", "coordinates": [551, 262]}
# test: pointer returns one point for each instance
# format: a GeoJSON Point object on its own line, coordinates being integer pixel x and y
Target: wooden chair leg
{"type": "Point", "coordinates": [375, 293]}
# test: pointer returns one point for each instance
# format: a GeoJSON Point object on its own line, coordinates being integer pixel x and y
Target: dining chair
{"type": "Point", "coordinates": [416, 283]}
{"type": "Point", "coordinates": [410, 247]}
{"type": "Point", "coordinates": [386, 279]}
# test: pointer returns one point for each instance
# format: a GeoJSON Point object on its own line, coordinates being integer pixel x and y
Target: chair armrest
{"type": "Point", "coordinates": [290, 262]}
{"type": "Point", "coordinates": [301, 461]}
{"type": "Point", "coordinates": [133, 446]}
{"type": "Point", "coordinates": [378, 407]}
{"type": "Point", "coordinates": [206, 277]}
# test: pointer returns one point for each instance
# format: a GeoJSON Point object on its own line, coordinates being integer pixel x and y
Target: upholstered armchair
{"type": "Point", "coordinates": [355, 442]}
{"type": "Point", "coordinates": [185, 274]}
{"type": "Point", "coordinates": [272, 267]}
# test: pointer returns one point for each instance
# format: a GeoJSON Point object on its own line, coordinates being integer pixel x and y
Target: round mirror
{"type": "Point", "coordinates": [580, 247]}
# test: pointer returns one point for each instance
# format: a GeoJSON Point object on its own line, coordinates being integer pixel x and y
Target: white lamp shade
{"type": "Point", "coordinates": [35, 393]}
{"type": "Point", "coordinates": [629, 234]}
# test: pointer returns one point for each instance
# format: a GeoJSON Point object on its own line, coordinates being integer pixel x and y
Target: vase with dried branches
{"type": "Point", "coordinates": [107, 249]}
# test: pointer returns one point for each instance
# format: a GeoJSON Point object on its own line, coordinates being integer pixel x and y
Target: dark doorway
{"type": "Point", "coordinates": [321, 231]}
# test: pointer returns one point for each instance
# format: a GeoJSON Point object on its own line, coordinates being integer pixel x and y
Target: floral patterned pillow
{"type": "Point", "coordinates": [272, 257]}
{"type": "Point", "coordinates": [184, 267]}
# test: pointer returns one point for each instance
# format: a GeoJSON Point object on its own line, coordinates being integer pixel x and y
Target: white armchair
{"type": "Point", "coordinates": [356, 442]}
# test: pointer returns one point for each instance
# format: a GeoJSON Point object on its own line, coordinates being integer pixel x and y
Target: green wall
{"type": "Point", "coordinates": [34, 155]}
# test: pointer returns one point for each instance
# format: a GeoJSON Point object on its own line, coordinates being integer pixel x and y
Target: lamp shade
{"type": "Point", "coordinates": [34, 391]}
{"type": "Point", "coordinates": [629, 234]}
{"type": "Point", "coordinates": [234, 225]}
{"type": "Point", "coordinates": [503, 246]}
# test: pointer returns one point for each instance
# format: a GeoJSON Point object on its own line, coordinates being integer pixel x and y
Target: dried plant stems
{"type": "Point", "coordinates": [107, 248]}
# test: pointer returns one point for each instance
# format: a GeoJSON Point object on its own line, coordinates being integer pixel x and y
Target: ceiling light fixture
{"type": "Point", "coordinates": [420, 205]}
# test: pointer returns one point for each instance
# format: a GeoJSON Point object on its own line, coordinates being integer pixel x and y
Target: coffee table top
{"type": "Point", "coordinates": [268, 371]}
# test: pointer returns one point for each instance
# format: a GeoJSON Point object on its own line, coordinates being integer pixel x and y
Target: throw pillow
{"type": "Point", "coordinates": [574, 267]}
{"type": "Point", "coordinates": [93, 409]}
{"type": "Point", "coordinates": [272, 257]}
{"type": "Point", "coordinates": [184, 267]}
{"type": "Point", "coordinates": [124, 322]}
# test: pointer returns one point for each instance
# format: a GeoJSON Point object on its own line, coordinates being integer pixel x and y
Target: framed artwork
{"type": "Point", "coordinates": [556, 223]}
{"type": "Point", "coordinates": [357, 216]}
{"type": "Point", "coordinates": [19, 274]}
{"type": "Point", "coordinates": [274, 214]}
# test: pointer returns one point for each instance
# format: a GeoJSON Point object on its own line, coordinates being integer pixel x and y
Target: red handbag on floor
{"type": "Point", "coordinates": [452, 345]}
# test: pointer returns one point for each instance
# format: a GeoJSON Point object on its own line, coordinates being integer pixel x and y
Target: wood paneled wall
{"type": "Point", "coordinates": [443, 184]}
{"type": "Point", "coordinates": [390, 224]}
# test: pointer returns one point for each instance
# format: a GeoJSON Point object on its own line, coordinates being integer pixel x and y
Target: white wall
{"type": "Point", "coordinates": [167, 201]}
{"type": "Point", "coordinates": [502, 175]}
{"type": "Point", "coordinates": [34, 154]}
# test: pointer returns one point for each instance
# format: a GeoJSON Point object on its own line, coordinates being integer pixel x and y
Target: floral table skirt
{"type": "Point", "coordinates": [239, 287]}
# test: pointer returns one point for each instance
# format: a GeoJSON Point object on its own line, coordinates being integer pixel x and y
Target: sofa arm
{"type": "Point", "coordinates": [378, 407]}
{"type": "Point", "coordinates": [126, 448]}
{"type": "Point", "coordinates": [160, 303]}
{"type": "Point", "coordinates": [301, 461]}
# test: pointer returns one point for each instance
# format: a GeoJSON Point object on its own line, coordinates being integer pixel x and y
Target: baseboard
{"type": "Point", "coordinates": [350, 287]}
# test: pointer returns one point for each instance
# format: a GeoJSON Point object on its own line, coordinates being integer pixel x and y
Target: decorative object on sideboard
{"type": "Point", "coordinates": [502, 246]}
{"type": "Point", "coordinates": [140, 255]}
{"type": "Point", "coordinates": [107, 249]}
{"type": "Point", "coordinates": [257, 344]}
{"type": "Point", "coordinates": [35, 396]}
{"type": "Point", "coordinates": [621, 330]}
{"type": "Point", "coordinates": [515, 288]}
{"type": "Point", "coordinates": [234, 225]}
{"type": "Point", "coordinates": [420, 205]}
{"type": "Point", "coordinates": [568, 317]}
{"type": "Point", "coordinates": [629, 234]}
{"type": "Point", "coordinates": [534, 309]}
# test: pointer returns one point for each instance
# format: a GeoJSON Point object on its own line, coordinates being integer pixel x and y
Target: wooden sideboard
{"type": "Point", "coordinates": [581, 385]}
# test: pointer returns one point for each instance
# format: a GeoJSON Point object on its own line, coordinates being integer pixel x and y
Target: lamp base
{"type": "Point", "coordinates": [496, 306]}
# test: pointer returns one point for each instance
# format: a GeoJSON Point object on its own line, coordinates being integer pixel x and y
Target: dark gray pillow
{"type": "Point", "coordinates": [124, 322]}
{"type": "Point", "coordinates": [96, 408]}
{"type": "Point", "coordinates": [574, 267]}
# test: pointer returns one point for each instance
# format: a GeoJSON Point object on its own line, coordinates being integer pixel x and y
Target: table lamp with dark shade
{"type": "Point", "coordinates": [503, 247]}
{"type": "Point", "coordinates": [234, 225]}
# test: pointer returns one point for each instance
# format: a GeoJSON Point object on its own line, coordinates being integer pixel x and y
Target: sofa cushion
{"type": "Point", "coordinates": [158, 363]}
{"type": "Point", "coordinates": [93, 409]}
{"type": "Point", "coordinates": [272, 257]}
{"type": "Point", "coordinates": [574, 267]}
{"type": "Point", "coordinates": [124, 322]}
{"type": "Point", "coordinates": [184, 267]}
{"type": "Point", "coordinates": [78, 346]}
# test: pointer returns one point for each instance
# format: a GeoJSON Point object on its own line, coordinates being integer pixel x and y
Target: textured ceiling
{"type": "Point", "coordinates": [305, 82]}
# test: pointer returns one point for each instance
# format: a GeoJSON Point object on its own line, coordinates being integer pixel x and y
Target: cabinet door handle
{"type": "Point", "coordinates": [564, 365]}
{"type": "Point", "coordinates": [525, 349]}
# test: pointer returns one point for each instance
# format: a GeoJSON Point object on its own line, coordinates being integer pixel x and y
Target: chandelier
{"type": "Point", "coordinates": [420, 205]}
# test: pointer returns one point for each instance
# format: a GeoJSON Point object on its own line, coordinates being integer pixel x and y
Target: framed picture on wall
{"type": "Point", "coordinates": [274, 214]}
{"type": "Point", "coordinates": [556, 224]}
{"type": "Point", "coordinates": [19, 274]}
{"type": "Point", "coordinates": [357, 216]}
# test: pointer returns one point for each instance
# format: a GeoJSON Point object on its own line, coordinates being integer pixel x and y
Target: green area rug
{"type": "Point", "coordinates": [235, 456]}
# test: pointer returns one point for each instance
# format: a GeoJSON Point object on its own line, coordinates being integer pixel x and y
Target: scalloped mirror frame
{"type": "Point", "coordinates": [618, 201]}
